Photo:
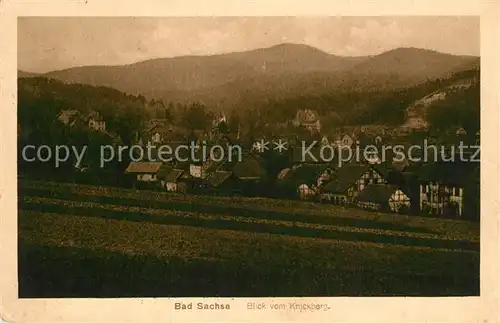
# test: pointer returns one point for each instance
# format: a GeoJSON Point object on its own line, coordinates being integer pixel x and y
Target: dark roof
{"type": "Point", "coordinates": [345, 177]}
{"type": "Point", "coordinates": [144, 167]}
{"type": "Point", "coordinates": [384, 169]}
{"type": "Point", "coordinates": [174, 175]}
{"type": "Point", "coordinates": [284, 173]}
{"type": "Point", "coordinates": [376, 193]}
{"type": "Point", "coordinates": [183, 165]}
{"type": "Point", "coordinates": [219, 177]}
{"type": "Point", "coordinates": [413, 167]}
{"type": "Point", "coordinates": [400, 165]}
{"type": "Point", "coordinates": [164, 170]}
{"type": "Point", "coordinates": [447, 173]}
{"type": "Point", "coordinates": [408, 176]}
{"type": "Point", "coordinates": [212, 165]}
{"type": "Point", "coordinates": [250, 167]}
{"type": "Point", "coordinates": [304, 174]}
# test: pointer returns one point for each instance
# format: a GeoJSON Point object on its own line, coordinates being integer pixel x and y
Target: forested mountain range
{"type": "Point", "coordinates": [247, 79]}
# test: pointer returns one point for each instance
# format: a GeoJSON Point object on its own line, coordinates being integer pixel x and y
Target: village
{"type": "Point", "coordinates": [431, 188]}
{"type": "Point", "coordinates": [237, 157]}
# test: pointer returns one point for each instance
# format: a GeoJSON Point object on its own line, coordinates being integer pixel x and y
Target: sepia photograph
{"type": "Point", "coordinates": [273, 161]}
{"type": "Point", "coordinates": [248, 157]}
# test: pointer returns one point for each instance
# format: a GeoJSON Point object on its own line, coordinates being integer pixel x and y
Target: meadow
{"type": "Point", "coordinates": [93, 241]}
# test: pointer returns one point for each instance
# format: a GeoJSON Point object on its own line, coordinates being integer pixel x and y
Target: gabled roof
{"type": "Point", "coordinates": [94, 115]}
{"type": "Point", "coordinates": [144, 167]}
{"type": "Point", "coordinates": [284, 173]}
{"type": "Point", "coordinates": [69, 117]}
{"type": "Point", "coordinates": [400, 165]}
{"type": "Point", "coordinates": [68, 113]}
{"type": "Point", "coordinates": [150, 128]}
{"type": "Point", "coordinates": [164, 170]}
{"type": "Point", "coordinates": [376, 193]}
{"type": "Point", "coordinates": [305, 174]}
{"type": "Point", "coordinates": [174, 175]}
{"type": "Point", "coordinates": [217, 178]}
{"type": "Point", "coordinates": [346, 176]}
{"type": "Point", "coordinates": [212, 165]}
{"type": "Point", "coordinates": [383, 169]}
{"type": "Point", "coordinates": [250, 167]}
{"type": "Point", "coordinates": [158, 121]}
{"type": "Point", "coordinates": [447, 173]}
{"type": "Point", "coordinates": [183, 165]}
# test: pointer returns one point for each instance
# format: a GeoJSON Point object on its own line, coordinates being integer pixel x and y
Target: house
{"type": "Point", "coordinates": [305, 179]}
{"type": "Point", "coordinates": [218, 119]}
{"type": "Point", "coordinates": [161, 122]}
{"type": "Point", "coordinates": [382, 197]}
{"type": "Point", "coordinates": [348, 181]}
{"type": "Point", "coordinates": [157, 132]}
{"type": "Point", "coordinates": [223, 183]}
{"type": "Point", "coordinates": [145, 173]}
{"type": "Point", "coordinates": [400, 164]}
{"type": "Point", "coordinates": [205, 162]}
{"type": "Point", "coordinates": [285, 172]}
{"type": "Point", "coordinates": [325, 141]}
{"type": "Point", "coordinates": [211, 166]}
{"type": "Point", "coordinates": [308, 119]}
{"type": "Point", "coordinates": [461, 132]}
{"type": "Point", "coordinates": [251, 173]}
{"type": "Point", "coordinates": [204, 169]}
{"type": "Point", "coordinates": [195, 170]}
{"type": "Point", "coordinates": [219, 126]}
{"type": "Point", "coordinates": [164, 170]}
{"type": "Point", "coordinates": [155, 135]}
{"type": "Point", "coordinates": [442, 187]}
{"type": "Point", "coordinates": [96, 122]}
{"type": "Point", "coordinates": [73, 119]}
{"type": "Point", "coordinates": [346, 141]}
{"type": "Point", "coordinates": [372, 157]}
{"type": "Point", "coordinates": [472, 195]}
{"type": "Point", "coordinates": [69, 117]}
{"type": "Point", "coordinates": [251, 168]}
{"type": "Point", "coordinates": [408, 183]}
{"type": "Point", "coordinates": [173, 181]}
{"type": "Point", "coordinates": [384, 169]}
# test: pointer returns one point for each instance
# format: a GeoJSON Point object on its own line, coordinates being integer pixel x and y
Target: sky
{"type": "Point", "coordinates": [53, 43]}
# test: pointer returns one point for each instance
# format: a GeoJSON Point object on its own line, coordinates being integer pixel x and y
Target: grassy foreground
{"type": "Point", "coordinates": [86, 241]}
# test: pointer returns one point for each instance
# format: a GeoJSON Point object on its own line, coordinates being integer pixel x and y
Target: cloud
{"type": "Point", "coordinates": [47, 43]}
{"type": "Point", "coordinates": [376, 36]}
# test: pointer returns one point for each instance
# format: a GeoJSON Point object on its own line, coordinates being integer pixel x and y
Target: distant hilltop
{"type": "Point", "coordinates": [278, 72]}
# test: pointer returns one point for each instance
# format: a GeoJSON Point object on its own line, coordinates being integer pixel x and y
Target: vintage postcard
{"type": "Point", "coordinates": [249, 161]}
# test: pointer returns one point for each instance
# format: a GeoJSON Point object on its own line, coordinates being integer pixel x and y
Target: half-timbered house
{"type": "Point", "coordinates": [382, 197]}
{"type": "Point", "coordinates": [348, 181]}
